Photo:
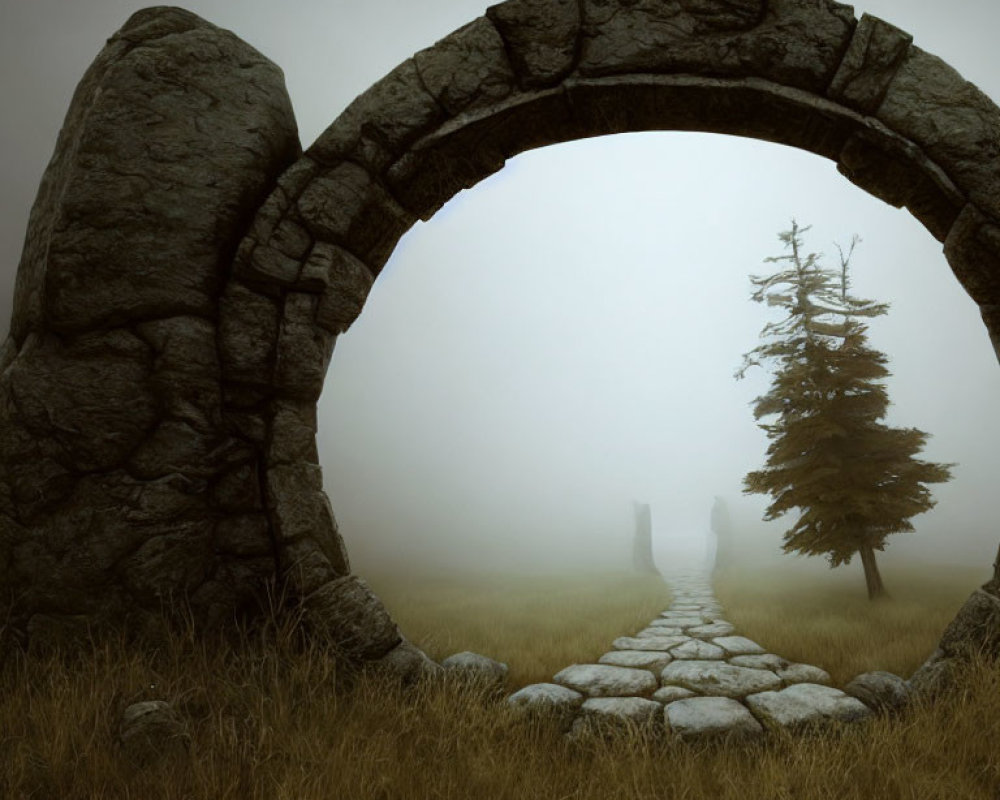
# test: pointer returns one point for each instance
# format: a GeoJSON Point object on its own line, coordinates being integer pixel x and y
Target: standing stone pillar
{"type": "Point", "coordinates": [722, 529]}
{"type": "Point", "coordinates": [642, 544]}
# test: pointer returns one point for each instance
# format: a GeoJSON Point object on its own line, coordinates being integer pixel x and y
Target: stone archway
{"type": "Point", "coordinates": [187, 268]}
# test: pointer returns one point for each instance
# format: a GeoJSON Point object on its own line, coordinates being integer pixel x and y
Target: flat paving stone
{"type": "Point", "coordinates": [711, 630]}
{"type": "Point", "coordinates": [639, 659]}
{"type": "Point", "coordinates": [803, 673]}
{"type": "Point", "coordinates": [648, 642]}
{"type": "Point", "coordinates": [805, 703]}
{"type": "Point", "coordinates": [766, 661]}
{"type": "Point", "coordinates": [636, 709]}
{"type": "Point", "coordinates": [605, 680]}
{"type": "Point", "coordinates": [660, 630]}
{"type": "Point", "coordinates": [719, 678]}
{"type": "Point", "coordinates": [685, 622]}
{"type": "Point", "coordinates": [661, 622]}
{"type": "Point", "coordinates": [697, 649]}
{"type": "Point", "coordinates": [707, 716]}
{"type": "Point", "coordinates": [738, 645]}
{"type": "Point", "coordinates": [667, 694]}
{"type": "Point", "coordinates": [546, 696]}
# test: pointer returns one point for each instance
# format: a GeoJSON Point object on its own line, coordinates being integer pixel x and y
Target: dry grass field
{"type": "Point", "coordinates": [273, 723]}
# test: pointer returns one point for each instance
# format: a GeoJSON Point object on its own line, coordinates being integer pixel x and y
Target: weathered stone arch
{"type": "Point", "coordinates": [215, 369]}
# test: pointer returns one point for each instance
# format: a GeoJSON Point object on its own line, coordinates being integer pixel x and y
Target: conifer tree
{"type": "Point", "coordinates": [853, 479]}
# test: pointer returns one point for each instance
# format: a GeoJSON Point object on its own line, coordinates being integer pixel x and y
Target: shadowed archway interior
{"type": "Point", "coordinates": [188, 268]}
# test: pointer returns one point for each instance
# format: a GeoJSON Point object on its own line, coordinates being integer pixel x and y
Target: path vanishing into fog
{"type": "Point", "coordinates": [689, 672]}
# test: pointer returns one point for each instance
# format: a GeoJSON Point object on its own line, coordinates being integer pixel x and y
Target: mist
{"type": "Point", "coordinates": [560, 340]}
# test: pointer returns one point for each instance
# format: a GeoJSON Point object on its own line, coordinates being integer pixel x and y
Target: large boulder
{"type": "Point", "coordinates": [118, 466]}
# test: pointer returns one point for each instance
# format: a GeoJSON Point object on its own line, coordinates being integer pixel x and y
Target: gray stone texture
{"type": "Point", "coordinates": [186, 271]}
{"type": "Point", "coordinates": [719, 678]}
{"type": "Point", "coordinates": [604, 680]}
{"type": "Point", "coordinates": [541, 37]}
{"type": "Point", "coordinates": [654, 660]}
{"type": "Point", "coordinates": [710, 716]}
{"type": "Point", "coordinates": [870, 63]}
{"type": "Point", "coordinates": [879, 690]}
{"type": "Point", "coordinates": [476, 667]}
{"type": "Point", "coordinates": [805, 704]}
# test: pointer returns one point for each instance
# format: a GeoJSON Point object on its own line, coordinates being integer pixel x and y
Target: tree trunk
{"type": "Point", "coordinates": [873, 580]}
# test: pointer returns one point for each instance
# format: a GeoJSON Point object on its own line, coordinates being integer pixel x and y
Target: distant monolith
{"type": "Point", "coordinates": [722, 533]}
{"type": "Point", "coordinates": [642, 546]}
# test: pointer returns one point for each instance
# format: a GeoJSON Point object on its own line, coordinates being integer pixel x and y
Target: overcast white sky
{"type": "Point", "coordinates": [560, 340]}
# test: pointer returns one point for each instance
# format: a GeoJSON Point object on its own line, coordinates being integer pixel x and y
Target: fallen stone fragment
{"type": "Point", "coordinates": [719, 678]}
{"type": "Point", "coordinates": [803, 704]}
{"type": "Point", "coordinates": [605, 680]}
{"type": "Point", "coordinates": [547, 698]}
{"type": "Point", "coordinates": [476, 667]}
{"type": "Point", "coordinates": [710, 716]}
{"type": "Point", "coordinates": [879, 690]}
{"type": "Point", "coordinates": [151, 730]}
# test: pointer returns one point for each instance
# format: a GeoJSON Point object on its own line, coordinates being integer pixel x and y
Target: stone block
{"type": "Point", "coordinates": [244, 535]}
{"type": "Point", "coordinates": [344, 282]}
{"type": "Point", "coordinates": [640, 659]}
{"type": "Point", "coordinates": [381, 123]}
{"type": "Point", "coordinates": [170, 566]}
{"type": "Point", "coordinates": [304, 349]}
{"type": "Point", "coordinates": [238, 490]}
{"type": "Point", "coordinates": [468, 68]}
{"type": "Point", "coordinates": [90, 395]}
{"type": "Point", "coordinates": [973, 252]}
{"type": "Point", "coordinates": [870, 63]}
{"type": "Point", "coordinates": [170, 144]}
{"type": "Point", "coordinates": [248, 334]}
{"type": "Point", "coordinates": [151, 730]}
{"type": "Point", "coordinates": [476, 667]}
{"type": "Point", "coordinates": [474, 145]}
{"type": "Point", "coordinates": [547, 699]}
{"type": "Point", "coordinates": [879, 690]}
{"type": "Point", "coordinates": [263, 263]}
{"type": "Point", "coordinates": [604, 680]}
{"type": "Point", "coordinates": [697, 649]}
{"type": "Point", "coordinates": [350, 616]}
{"type": "Point", "coordinates": [306, 565]}
{"type": "Point", "coordinates": [648, 642]}
{"type": "Point", "coordinates": [293, 432]}
{"type": "Point", "coordinates": [407, 662]}
{"type": "Point", "coordinates": [975, 628]}
{"type": "Point", "coordinates": [897, 172]}
{"type": "Point", "coordinates": [805, 704]}
{"type": "Point", "coordinates": [346, 206]}
{"type": "Point", "coordinates": [951, 120]}
{"type": "Point", "coordinates": [541, 37]}
{"type": "Point", "coordinates": [718, 678]}
{"type": "Point", "coordinates": [176, 447]}
{"type": "Point", "coordinates": [710, 716]}
{"type": "Point", "coordinates": [788, 42]}
{"type": "Point", "coordinates": [301, 510]}
{"type": "Point", "coordinates": [610, 714]}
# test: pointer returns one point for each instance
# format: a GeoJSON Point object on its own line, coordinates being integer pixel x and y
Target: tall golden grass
{"type": "Point", "coordinates": [269, 721]}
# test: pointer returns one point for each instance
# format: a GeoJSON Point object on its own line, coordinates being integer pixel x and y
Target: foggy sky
{"type": "Point", "coordinates": [561, 340]}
